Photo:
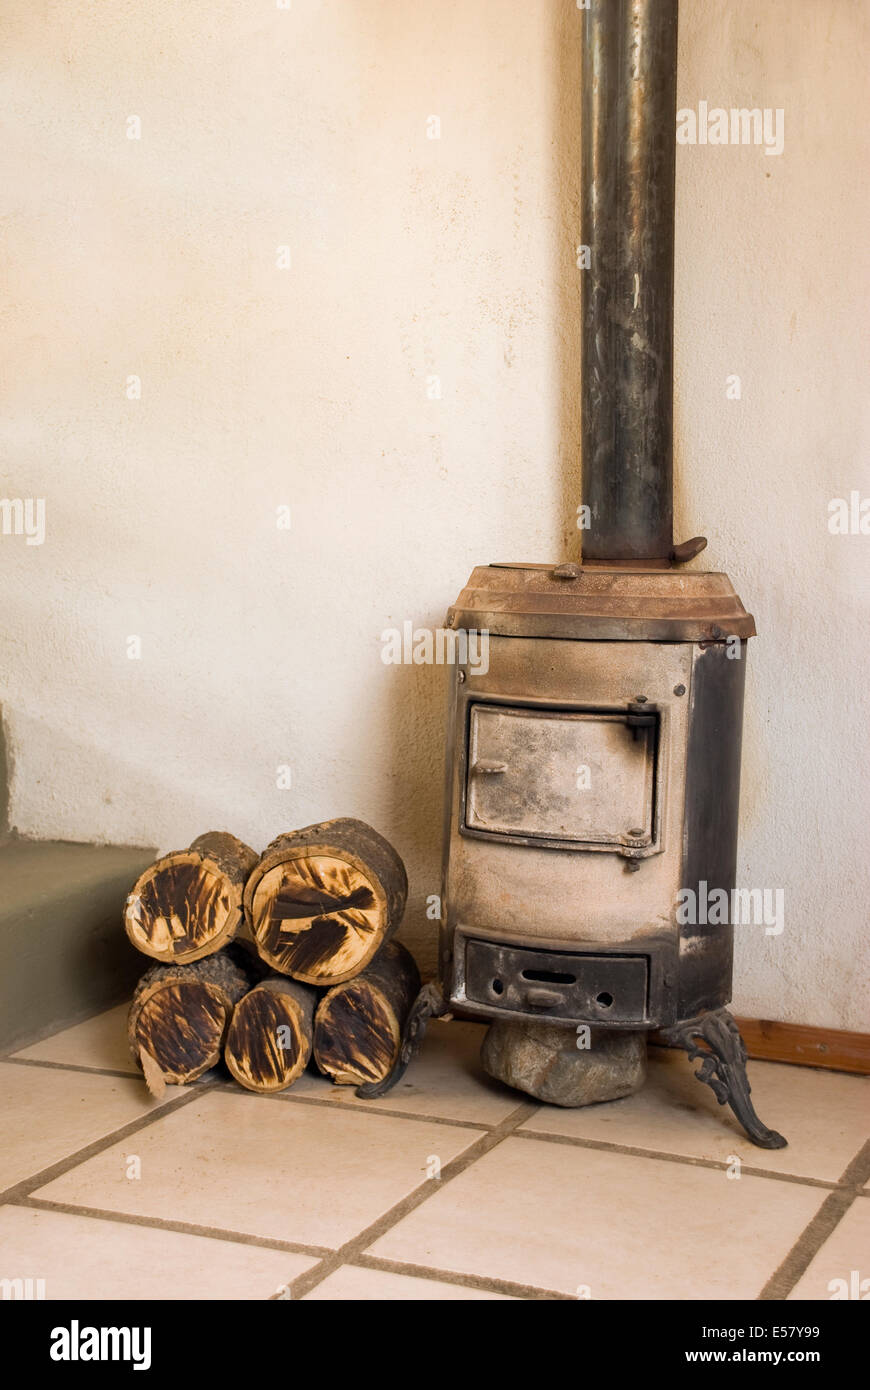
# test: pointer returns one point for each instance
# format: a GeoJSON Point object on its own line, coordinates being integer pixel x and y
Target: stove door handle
{"type": "Point", "coordinates": [542, 998]}
{"type": "Point", "coordinates": [487, 768]}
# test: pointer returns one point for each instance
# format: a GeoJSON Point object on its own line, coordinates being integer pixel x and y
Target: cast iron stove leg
{"type": "Point", "coordinates": [716, 1038]}
{"type": "Point", "coordinates": [429, 1003]}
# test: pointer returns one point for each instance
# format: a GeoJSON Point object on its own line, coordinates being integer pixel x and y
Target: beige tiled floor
{"type": "Point", "coordinates": [824, 1115]}
{"type": "Point", "coordinates": [80, 1257]}
{"type": "Point", "coordinates": [446, 1082]}
{"type": "Point", "coordinates": [48, 1113]}
{"type": "Point", "coordinates": [842, 1262]}
{"type": "Point", "coordinates": [259, 1167]}
{"type": "Point", "coordinates": [451, 1187]}
{"type": "Point", "coordinates": [564, 1218]}
{"type": "Point", "coordinates": [100, 1043]}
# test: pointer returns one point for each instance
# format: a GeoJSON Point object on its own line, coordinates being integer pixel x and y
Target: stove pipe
{"type": "Point", "coordinates": [628, 157]}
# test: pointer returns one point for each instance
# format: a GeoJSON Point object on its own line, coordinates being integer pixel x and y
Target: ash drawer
{"type": "Point", "coordinates": [558, 984]}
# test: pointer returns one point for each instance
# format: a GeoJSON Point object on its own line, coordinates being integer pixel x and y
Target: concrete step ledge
{"type": "Point", "coordinates": [63, 951]}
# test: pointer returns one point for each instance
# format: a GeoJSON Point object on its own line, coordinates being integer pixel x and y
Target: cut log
{"type": "Point", "coordinates": [269, 1039]}
{"type": "Point", "coordinates": [179, 1017]}
{"type": "Point", "coordinates": [358, 1026]}
{"type": "Point", "coordinates": [189, 904]}
{"type": "Point", "coordinates": [323, 900]}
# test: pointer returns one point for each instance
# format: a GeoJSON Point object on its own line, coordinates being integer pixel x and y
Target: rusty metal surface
{"type": "Point", "coordinates": [530, 891]}
{"type": "Point", "coordinates": [628, 130]}
{"type": "Point", "coordinates": [590, 603]}
{"type": "Point", "coordinates": [522, 774]}
{"type": "Point", "coordinates": [544, 891]}
{"type": "Point", "coordinates": [554, 906]}
{"type": "Point", "coordinates": [604, 988]}
{"type": "Point", "coordinates": [469, 989]}
{"type": "Point", "coordinates": [710, 839]}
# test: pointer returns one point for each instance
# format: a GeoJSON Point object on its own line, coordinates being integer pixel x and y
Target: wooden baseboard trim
{"type": "Point", "coordinates": [832, 1048]}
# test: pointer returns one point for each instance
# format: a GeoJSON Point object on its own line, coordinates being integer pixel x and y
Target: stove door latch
{"type": "Point", "coordinates": [641, 715]}
{"type": "Point", "coordinates": [543, 998]}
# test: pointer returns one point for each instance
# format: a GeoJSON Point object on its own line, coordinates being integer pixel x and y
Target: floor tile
{"type": "Point", "coordinates": [375, 1286]}
{"type": "Point", "coordinates": [445, 1080]}
{"type": "Point", "coordinates": [825, 1116]}
{"type": "Point", "coordinates": [845, 1256]}
{"type": "Point", "coordinates": [311, 1174]}
{"type": "Point", "coordinates": [558, 1217]}
{"type": "Point", "coordinates": [84, 1258]}
{"type": "Point", "coordinates": [48, 1115]}
{"type": "Point", "coordinates": [100, 1041]}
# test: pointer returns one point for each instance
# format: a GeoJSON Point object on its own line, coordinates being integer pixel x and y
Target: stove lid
{"type": "Point", "coordinates": [601, 604]}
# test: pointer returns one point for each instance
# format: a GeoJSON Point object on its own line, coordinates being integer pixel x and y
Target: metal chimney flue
{"type": "Point", "coordinates": [628, 157]}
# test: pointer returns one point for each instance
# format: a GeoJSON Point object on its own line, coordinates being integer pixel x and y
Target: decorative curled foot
{"type": "Point", "coordinates": [716, 1039]}
{"type": "Point", "coordinates": [428, 1004]}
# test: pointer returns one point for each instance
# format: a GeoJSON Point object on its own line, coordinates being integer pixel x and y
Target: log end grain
{"type": "Point", "coordinates": [269, 1040]}
{"type": "Point", "coordinates": [179, 1015]}
{"type": "Point", "coordinates": [358, 1026]}
{"type": "Point", "coordinates": [189, 904]}
{"type": "Point", "coordinates": [358, 1035]}
{"type": "Point", "coordinates": [323, 900]}
{"type": "Point", "coordinates": [181, 1026]}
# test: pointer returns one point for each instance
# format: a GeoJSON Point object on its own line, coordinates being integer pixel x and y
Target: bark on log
{"type": "Point", "coordinates": [269, 1040]}
{"type": "Point", "coordinates": [179, 1016]}
{"type": "Point", "coordinates": [189, 904]}
{"type": "Point", "coordinates": [323, 900]}
{"type": "Point", "coordinates": [358, 1025]}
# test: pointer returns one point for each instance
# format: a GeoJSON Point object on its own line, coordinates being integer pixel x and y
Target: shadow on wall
{"type": "Point", "coordinates": [414, 711]}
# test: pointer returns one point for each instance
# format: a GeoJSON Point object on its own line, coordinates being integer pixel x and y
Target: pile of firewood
{"type": "Point", "coordinates": [267, 960]}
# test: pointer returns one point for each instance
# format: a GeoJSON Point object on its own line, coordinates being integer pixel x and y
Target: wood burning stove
{"type": "Point", "coordinates": [593, 766]}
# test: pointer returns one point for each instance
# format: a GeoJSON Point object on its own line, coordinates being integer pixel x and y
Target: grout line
{"type": "Point", "coordinates": [348, 1252]}
{"type": "Point", "coordinates": [159, 1223]}
{"type": "Point", "coordinates": [806, 1247]}
{"type": "Point", "coordinates": [54, 1030]}
{"type": "Point", "coordinates": [817, 1231]}
{"type": "Point", "coordinates": [350, 1108]}
{"type": "Point", "coordinates": [841, 1194]}
{"type": "Point", "coordinates": [26, 1186]}
{"type": "Point", "coordinates": [225, 1086]}
{"type": "Point", "coordinates": [462, 1281]}
{"type": "Point", "coordinates": [857, 1173]}
{"type": "Point", "coordinates": [72, 1066]}
{"type": "Point", "coordinates": [608, 1146]}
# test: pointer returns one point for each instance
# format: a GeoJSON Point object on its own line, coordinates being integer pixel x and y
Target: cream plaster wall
{"type": "Point", "coordinates": [309, 387]}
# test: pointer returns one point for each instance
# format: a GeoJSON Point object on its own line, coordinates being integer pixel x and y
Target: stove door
{"type": "Point", "coordinates": [585, 778]}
